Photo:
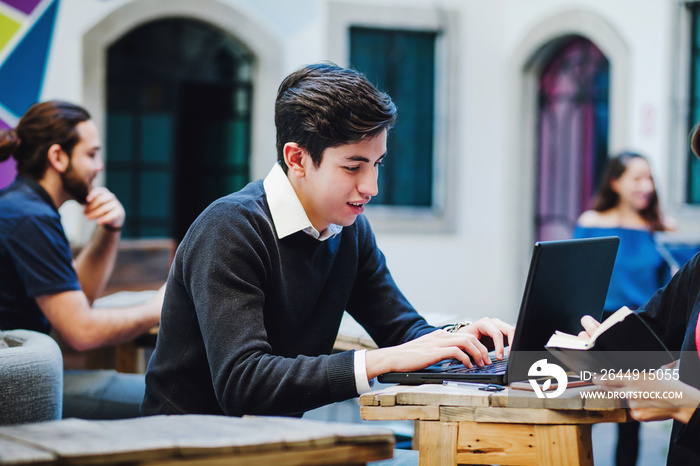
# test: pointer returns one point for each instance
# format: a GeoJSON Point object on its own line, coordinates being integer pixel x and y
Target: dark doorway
{"type": "Point", "coordinates": [203, 161]}
{"type": "Point", "coordinates": [178, 123]}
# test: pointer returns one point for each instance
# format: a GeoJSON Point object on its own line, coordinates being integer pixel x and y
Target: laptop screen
{"type": "Point", "coordinates": [567, 280]}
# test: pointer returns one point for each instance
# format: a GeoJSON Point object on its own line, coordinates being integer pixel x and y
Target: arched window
{"type": "Point", "coordinates": [179, 99]}
{"type": "Point", "coordinates": [572, 135]}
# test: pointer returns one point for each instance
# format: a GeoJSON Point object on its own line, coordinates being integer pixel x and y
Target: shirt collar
{"type": "Point", "coordinates": [37, 188]}
{"type": "Point", "coordinates": [288, 215]}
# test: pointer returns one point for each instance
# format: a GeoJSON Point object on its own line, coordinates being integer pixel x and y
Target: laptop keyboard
{"type": "Point", "coordinates": [457, 367]}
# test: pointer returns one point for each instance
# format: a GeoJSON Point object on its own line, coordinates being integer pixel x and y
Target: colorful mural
{"type": "Point", "coordinates": [26, 27]}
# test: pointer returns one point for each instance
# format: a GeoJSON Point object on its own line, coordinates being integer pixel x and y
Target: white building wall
{"type": "Point", "coordinates": [477, 267]}
{"type": "Point", "coordinates": [485, 262]}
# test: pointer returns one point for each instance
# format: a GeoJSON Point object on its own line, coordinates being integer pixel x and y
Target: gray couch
{"type": "Point", "coordinates": [31, 377]}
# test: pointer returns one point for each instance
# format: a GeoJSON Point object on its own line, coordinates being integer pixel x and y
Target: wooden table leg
{"type": "Point", "coordinates": [416, 435]}
{"type": "Point", "coordinates": [497, 443]}
{"type": "Point", "coordinates": [126, 358]}
{"type": "Point", "coordinates": [564, 444]}
{"type": "Point", "coordinates": [466, 442]}
{"type": "Point", "coordinates": [437, 443]}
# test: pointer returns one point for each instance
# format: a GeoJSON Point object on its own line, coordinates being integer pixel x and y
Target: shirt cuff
{"type": "Point", "coordinates": [361, 383]}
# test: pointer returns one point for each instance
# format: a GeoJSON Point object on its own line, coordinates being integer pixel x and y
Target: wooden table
{"type": "Point", "coordinates": [457, 425]}
{"type": "Point", "coordinates": [205, 440]}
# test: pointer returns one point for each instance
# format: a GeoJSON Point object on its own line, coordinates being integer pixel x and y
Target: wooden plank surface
{"type": "Point", "coordinates": [387, 396]}
{"type": "Point", "coordinates": [513, 398]}
{"type": "Point", "coordinates": [426, 395]}
{"type": "Point", "coordinates": [438, 443]}
{"type": "Point", "coordinates": [496, 444]}
{"type": "Point", "coordinates": [564, 445]}
{"type": "Point", "coordinates": [437, 394]}
{"type": "Point", "coordinates": [441, 395]}
{"type": "Point", "coordinates": [19, 453]}
{"type": "Point", "coordinates": [337, 454]}
{"type": "Point", "coordinates": [550, 416]}
{"type": "Point", "coordinates": [162, 438]}
{"type": "Point", "coordinates": [395, 413]}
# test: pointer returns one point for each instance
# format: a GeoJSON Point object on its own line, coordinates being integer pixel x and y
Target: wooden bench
{"type": "Point", "coordinates": [190, 439]}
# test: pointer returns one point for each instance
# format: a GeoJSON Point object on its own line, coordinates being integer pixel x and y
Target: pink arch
{"type": "Point", "coordinates": [568, 132]}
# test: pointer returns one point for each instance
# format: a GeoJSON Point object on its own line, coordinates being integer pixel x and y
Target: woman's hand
{"type": "Point", "coordinates": [655, 399]}
{"type": "Point", "coordinates": [589, 326]}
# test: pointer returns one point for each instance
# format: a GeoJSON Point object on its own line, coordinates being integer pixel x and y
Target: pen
{"type": "Point", "coordinates": [491, 387]}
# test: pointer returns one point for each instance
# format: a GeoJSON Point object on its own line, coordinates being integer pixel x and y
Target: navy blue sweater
{"type": "Point", "coordinates": [249, 320]}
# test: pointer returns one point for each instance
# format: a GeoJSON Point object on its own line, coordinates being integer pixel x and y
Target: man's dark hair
{"type": "Point", "coordinates": [44, 124]}
{"type": "Point", "coordinates": [324, 105]}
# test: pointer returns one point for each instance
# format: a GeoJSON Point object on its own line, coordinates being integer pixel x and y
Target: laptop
{"type": "Point", "coordinates": [567, 279]}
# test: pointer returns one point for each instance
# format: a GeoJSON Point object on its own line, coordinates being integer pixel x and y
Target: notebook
{"type": "Point", "coordinates": [567, 279]}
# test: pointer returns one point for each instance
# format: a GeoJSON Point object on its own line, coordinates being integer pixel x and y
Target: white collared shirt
{"type": "Point", "coordinates": [289, 217]}
{"type": "Point", "coordinates": [288, 214]}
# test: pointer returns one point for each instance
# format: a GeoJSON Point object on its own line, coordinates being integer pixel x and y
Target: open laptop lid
{"type": "Point", "coordinates": [567, 279]}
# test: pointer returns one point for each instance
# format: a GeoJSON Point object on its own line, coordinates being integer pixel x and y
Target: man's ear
{"type": "Point", "coordinates": [58, 158]}
{"type": "Point", "coordinates": [296, 159]}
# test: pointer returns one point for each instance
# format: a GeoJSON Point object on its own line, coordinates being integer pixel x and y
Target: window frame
{"type": "Point", "coordinates": [341, 16]}
{"type": "Point", "coordinates": [403, 181]}
{"type": "Point", "coordinates": [678, 204]}
{"type": "Point", "coordinates": [688, 81]}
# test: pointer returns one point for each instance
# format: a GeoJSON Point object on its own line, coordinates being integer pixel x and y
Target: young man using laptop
{"type": "Point", "coordinates": [259, 284]}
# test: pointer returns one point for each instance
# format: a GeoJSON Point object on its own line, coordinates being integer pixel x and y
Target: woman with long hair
{"type": "Point", "coordinates": [627, 206]}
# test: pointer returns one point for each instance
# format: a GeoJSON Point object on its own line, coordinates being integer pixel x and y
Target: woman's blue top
{"type": "Point", "coordinates": [639, 268]}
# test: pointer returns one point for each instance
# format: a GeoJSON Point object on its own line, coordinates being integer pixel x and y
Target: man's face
{"type": "Point", "coordinates": [337, 190]}
{"type": "Point", "coordinates": [85, 163]}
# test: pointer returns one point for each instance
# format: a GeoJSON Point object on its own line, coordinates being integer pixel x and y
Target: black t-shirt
{"type": "Point", "coordinates": [35, 256]}
{"type": "Point", "coordinates": [673, 315]}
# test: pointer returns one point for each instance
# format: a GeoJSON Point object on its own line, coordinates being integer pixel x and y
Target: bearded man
{"type": "Point", "coordinates": [57, 149]}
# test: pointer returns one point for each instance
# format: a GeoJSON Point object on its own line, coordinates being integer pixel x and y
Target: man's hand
{"type": "Point", "coordinates": [104, 207]}
{"type": "Point", "coordinates": [494, 329]}
{"type": "Point", "coordinates": [439, 345]}
{"type": "Point", "coordinates": [96, 261]}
